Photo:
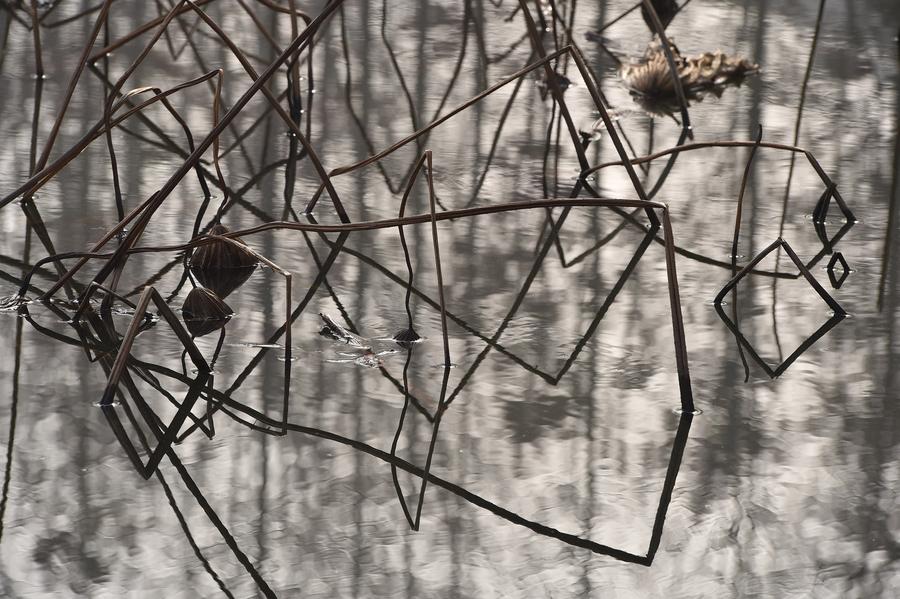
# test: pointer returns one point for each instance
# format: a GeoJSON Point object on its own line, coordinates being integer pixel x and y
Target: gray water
{"type": "Point", "coordinates": [565, 402]}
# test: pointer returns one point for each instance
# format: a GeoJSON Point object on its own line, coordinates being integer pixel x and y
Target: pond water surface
{"type": "Point", "coordinates": [564, 464]}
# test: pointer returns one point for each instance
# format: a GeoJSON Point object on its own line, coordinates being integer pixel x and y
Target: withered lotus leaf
{"type": "Point", "coordinates": [406, 336]}
{"type": "Point", "coordinates": [204, 312]}
{"type": "Point", "coordinates": [651, 84]}
{"type": "Point", "coordinates": [222, 266]}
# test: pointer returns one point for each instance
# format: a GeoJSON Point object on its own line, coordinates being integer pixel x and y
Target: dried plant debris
{"type": "Point", "coordinates": [367, 358]}
{"type": "Point", "coordinates": [407, 336]}
{"type": "Point", "coordinates": [365, 353]}
{"type": "Point", "coordinates": [222, 266]}
{"type": "Point", "coordinates": [204, 312]}
{"type": "Point", "coordinates": [11, 303]}
{"type": "Point", "coordinates": [332, 330]}
{"type": "Point", "coordinates": [651, 84]}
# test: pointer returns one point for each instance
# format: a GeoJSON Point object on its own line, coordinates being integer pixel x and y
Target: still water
{"type": "Point", "coordinates": [563, 465]}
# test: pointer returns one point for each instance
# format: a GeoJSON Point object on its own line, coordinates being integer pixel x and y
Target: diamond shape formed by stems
{"type": "Point", "coordinates": [839, 312]}
{"type": "Point", "coordinates": [820, 212]}
{"type": "Point", "coordinates": [837, 281]}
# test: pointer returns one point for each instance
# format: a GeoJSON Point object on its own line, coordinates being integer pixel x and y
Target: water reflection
{"type": "Point", "coordinates": [522, 341]}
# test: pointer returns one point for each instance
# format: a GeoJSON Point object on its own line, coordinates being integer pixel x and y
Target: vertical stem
{"type": "Point", "coordinates": [681, 357]}
{"type": "Point", "coordinates": [36, 33]}
{"type": "Point", "coordinates": [894, 201]}
{"type": "Point", "coordinates": [740, 202]}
